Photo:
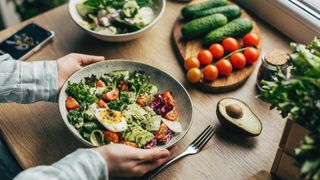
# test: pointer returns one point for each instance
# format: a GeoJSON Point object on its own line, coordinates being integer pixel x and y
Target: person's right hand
{"type": "Point", "coordinates": [71, 63]}
{"type": "Point", "coordinates": [126, 161]}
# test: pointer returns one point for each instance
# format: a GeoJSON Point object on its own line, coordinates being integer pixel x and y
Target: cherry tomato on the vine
{"type": "Point", "coordinates": [230, 44]}
{"type": "Point", "coordinates": [191, 63]}
{"type": "Point", "coordinates": [216, 50]}
{"type": "Point", "coordinates": [194, 75]}
{"type": "Point", "coordinates": [205, 57]}
{"type": "Point", "coordinates": [251, 39]}
{"type": "Point", "coordinates": [210, 72]}
{"type": "Point", "coordinates": [224, 67]}
{"type": "Point", "coordinates": [238, 60]}
{"type": "Point", "coordinates": [251, 54]}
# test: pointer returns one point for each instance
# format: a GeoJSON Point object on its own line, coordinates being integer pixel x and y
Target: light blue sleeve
{"type": "Point", "coordinates": [27, 82]}
{"type": "Point", "coordinates": [83, 164]}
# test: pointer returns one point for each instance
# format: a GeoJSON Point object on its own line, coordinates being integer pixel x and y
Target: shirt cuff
{"type": "Point", "coordinates": [83, 164]}
{"type": "Point", "coordinates": [39, 81]}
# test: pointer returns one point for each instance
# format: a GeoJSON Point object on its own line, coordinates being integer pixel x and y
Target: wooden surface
{"type": "Point", "coordinates": [36, 133]}
{"type": "Point", "coordinates": [261, 175]}
{"type": "Point", "coordinates": [191, 48]}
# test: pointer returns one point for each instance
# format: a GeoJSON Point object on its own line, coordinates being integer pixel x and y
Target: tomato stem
{"type": "Point", "coordinates": [230, 54]}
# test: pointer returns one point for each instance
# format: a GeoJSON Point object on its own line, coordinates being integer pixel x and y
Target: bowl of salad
{"type": "Point", "coordinates": [127, 102]}
{"type": "Point", "coordinates": [116, 21]}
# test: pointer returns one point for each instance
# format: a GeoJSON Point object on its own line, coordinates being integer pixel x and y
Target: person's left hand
{"type": "Point", "coordinates": [127, 161]}
{"type": "Point", "coordinates": [73, 62]}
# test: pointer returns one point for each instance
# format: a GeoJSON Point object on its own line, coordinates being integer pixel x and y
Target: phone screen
{"type": "Point", "coordinates": [24, 40]}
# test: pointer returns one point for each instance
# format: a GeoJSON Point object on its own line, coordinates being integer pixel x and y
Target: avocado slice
{"type": "Point", "coordinates": [237, 116]}
{"type": "Point", "coordinates": [83, 10]}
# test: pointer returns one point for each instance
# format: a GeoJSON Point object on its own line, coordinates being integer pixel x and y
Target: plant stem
{"type": "Point", "coordinates": [230, 54]}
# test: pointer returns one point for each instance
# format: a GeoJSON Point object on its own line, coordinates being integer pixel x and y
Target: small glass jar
{"type": "Point", "coordinates": [272, 60]}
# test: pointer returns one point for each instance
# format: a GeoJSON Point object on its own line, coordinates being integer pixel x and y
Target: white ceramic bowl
{"type": "Point", "coordinates": [161, 79]}
{"type": "Point", "coordinates": [158, 10]}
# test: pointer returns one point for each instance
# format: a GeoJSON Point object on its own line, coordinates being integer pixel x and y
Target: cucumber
{"type": "Point", "coordinates": [120, 74]}
{"type": "Point", "coordinates": [236, 28]}
{"type": "Point", "coordinates": [189, 10]}
{"type": "Point", "coordinates": [230, 11]}
{"type": "Point", "coordinates": [200, 27]}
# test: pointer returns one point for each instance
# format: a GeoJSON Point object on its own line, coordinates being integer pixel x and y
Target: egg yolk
{"type": "Point", "coordinates": [110, 117]}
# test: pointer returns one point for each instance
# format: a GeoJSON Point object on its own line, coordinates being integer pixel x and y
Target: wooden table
{"type": "Point", "coordinates": [36, 134]}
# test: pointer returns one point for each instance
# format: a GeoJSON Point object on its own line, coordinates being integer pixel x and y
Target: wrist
{"type": "Point", "coordinates": [104, 153]}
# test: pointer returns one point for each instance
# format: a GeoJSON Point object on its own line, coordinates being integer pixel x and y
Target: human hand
{"type": "Point", "coordinates": [71, 63]}
{"type": "Point", "coordinates": [127, 161]}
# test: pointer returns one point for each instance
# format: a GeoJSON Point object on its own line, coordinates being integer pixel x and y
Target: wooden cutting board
{"type": "Point", "coordinates": [191, 48]}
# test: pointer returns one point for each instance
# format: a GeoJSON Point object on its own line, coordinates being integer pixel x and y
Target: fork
{"type": "Point", "coordinates": [193, 148]}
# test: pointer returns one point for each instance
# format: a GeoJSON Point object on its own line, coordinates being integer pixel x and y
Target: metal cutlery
{"type": "Point", "coordinates": [193, 148]}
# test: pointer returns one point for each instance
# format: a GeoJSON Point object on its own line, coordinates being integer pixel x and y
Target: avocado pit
{"type": "Point", "coordinates": [234, 111]}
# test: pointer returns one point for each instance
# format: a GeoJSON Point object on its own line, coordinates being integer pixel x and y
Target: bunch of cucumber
{"type": "Point", "coordinates": [214, 20]}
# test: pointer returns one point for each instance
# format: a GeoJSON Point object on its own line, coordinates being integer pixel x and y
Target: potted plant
{"type": "Point", "coordinates": [297, 96]}
{"type": "Point", "coordinates": [30, 8]}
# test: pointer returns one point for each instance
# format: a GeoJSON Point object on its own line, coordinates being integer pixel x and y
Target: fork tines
{"type": "Point", "coordinates": [203, 138]}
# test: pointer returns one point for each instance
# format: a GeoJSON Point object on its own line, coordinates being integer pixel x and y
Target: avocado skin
{"type": "Point", "coordinates": [226, 123]}
{"type": "Point", "coordinates": [189, 10]}
{"type": "Point", "coordinates": [200, 27]}
{"type": "Point", "coordinates": [236, 28]}
{"type": "Point", "coordinates": [230, 11]}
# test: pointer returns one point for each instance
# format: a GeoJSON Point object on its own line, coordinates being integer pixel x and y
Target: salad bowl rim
{"type": "Point", "coordinates": [61, 102]}
{"type": "Point", "coordinates": [154, 21]}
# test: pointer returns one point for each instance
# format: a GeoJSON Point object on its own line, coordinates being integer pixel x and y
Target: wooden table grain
{"type": "Point", "coordinates": [37, 136]}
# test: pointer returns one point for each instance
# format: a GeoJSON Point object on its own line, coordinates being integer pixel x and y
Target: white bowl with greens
{"type": "Point", "coordinates": [121, 101]}
{"type": "Point", "coordinates": [116, 21]}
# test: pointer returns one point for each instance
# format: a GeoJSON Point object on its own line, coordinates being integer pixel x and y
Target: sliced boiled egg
{"type": "Point", "coordinates": [111, 119]}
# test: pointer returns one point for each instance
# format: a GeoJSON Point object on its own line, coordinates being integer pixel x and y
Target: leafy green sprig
{"type": "Point", "coordinates": [299, 98]}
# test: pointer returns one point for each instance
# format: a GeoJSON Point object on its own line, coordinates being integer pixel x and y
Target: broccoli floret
{"type": "Point", "coordinates": [75, 118]}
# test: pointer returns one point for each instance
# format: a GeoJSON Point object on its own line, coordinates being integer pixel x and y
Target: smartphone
{"type": "Point", "coordinates": [26, 41]}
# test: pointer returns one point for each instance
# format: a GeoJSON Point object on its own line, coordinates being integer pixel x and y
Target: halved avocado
{"type": "Point", "coordinates": [237, 116]}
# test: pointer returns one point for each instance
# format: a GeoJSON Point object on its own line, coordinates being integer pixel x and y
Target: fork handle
{"type": "Point", "coordinates": [153, 173]}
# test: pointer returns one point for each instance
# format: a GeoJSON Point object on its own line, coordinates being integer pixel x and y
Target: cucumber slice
{"type": "Point", "coordinates": [97, 138]}
{"type": "Point", "coordinates": [120, 74]}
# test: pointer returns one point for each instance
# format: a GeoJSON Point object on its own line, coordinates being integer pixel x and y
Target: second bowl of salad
{"type": "Point", "coordinates": [116, 21]}
{"type": "Point", "coordinates": [125, 102]}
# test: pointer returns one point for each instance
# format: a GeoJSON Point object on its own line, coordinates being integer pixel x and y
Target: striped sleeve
{"type": "Point", "coordinates": [27, 82]}
{"type": "Point", "coordinates": [83, 164]}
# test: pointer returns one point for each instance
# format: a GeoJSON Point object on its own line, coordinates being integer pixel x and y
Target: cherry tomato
{"type": "Point", "coordinates": [100, 83]}
{"type": "Point", "coordinates": [251, 39]}
{"type": "Point", "coordinates": [210, 72]}
{"type": "Point", "coordinates": [71, 103]}
{"type": "Point", "coordinates": [251, 54]}
{"type": "Point", "coordinates": [143, 99]}
{"type": "Point", "coordinates": [123, 86]}
{"type": "Point", "coordinates": [129, 143]}
{"type": "Point", "coordinates": [102, 104]}
{"type": "Point", "coordinates": [194, 75]}
{"type": "Point", "coordinates": [168, 99]}
{"type": "Point", "coordinates": [162, 132]}
{"type": "Point", "coordinates": [110, 136]}
{"type": "Point", "coordinates": [238, 60]}
{"type": "Point", "coordinates": [230, 44]}
{"type": "Point", "coordinates": [224, 67]}
{"type": "Point", "coordinates": [172, 115]}
{"type": "Point", "coordinates": [205, 57]}
{"type": "Point", "coordinates": [111, 95]}
{"type": "Point", "coordinates": [216, 50]}
{"type": "Point", "coordinates": [191, 63]}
